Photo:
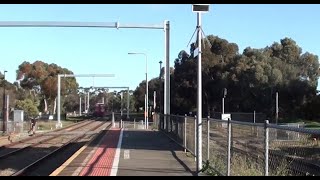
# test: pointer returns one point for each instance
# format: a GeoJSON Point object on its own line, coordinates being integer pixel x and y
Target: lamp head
{"type": "Point", "coordinates": [203, 8]}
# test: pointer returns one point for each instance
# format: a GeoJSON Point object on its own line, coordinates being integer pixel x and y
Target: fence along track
{"type": "Point", "coordinates": [293, 157]}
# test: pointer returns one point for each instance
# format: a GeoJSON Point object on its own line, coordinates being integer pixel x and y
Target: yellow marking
{"type": "Point", "coordinates": [65, 164]}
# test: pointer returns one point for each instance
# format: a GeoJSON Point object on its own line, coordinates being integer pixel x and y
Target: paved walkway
{"type": "Point", "coordinates": [142, 153]}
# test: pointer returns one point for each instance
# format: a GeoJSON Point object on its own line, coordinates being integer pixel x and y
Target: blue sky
{"type": "Point", "coordinates": [101, 51]}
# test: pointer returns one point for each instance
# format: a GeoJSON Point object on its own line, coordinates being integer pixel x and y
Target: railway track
{"type": "Point", "coordinates": [38, 138]}
{"type": "Point", "coordinates": [25, 140]}
{"type": "Point", "coordinates": [27, 159]}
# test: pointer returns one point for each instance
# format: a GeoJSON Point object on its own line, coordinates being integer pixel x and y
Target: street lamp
{"type": "Point", "coordinates": [4, 104]}
{"type": "Point", "coordinates": [199, 9]}
{"type": "Point", "coordinates": [147, 92]}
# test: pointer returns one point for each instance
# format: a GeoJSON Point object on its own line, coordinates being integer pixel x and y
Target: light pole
{"type": "Point", "coordinates": [4, 112]}
{"type": "Point", "coordinates": [147, 91]}
{"type": "Point", "coordinates": [160, 96]}
{"type": "Point", "coordinates": [199, 9]}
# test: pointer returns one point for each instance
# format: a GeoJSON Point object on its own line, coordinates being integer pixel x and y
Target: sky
{"type": "Point", "coordinates": [105, 50]}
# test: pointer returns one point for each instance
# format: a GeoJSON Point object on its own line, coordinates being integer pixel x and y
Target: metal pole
{"type": "Point", "coordinates": [147, 89]}
{"type": "Point", "coordinates": [80, 106]}
{"type": "Point", "coordinates": [85, 103]}
{"type": "Point", "coordinates": [167, 69]}
{"type": "Point", "coordinates": [195, 140]}
{"type": "Point", "coordinates": [154, 100]}
{"type": "Point", "coordinates": [199, 101]}
{"type": "Point", "coordinates": [88, 102]}
{"type": "Point", "coordinates": [254, 121]}
{"type": "Point", "coordinates": [121, 97]}
{"type": "Point", "coordinates": [160, 94]}
{"type": "Point", "coordinates": [223, 105]}
{"type": "Point", "coordinates": [277, 108]}
{"type": "Point", "coordinates": [128, 103]}
{"type": "Point", "coordinates": [229, 148]}
{"type": "Point", "coordinates": [78, 24]}
{"type": "Point", "coordinates": [145, 115]}
{"type": "Point", "coordinates": [7, 109]}
{"type": "Point", "coordinates": [59, 125]}
{"type": "Point", "coordinates": [134, 123]}
{"type": "Point", "coordinates": [266, 168]}
{"type": "Point", "coordinates": [185, 134]}
{"type": "Point", "coordinates": [254, 116]}
{"type": "Point", "coordinates": [4, 104]}
{"type": "Point", "coordinates": [113, 120]}
{"type": "Point", "coordinates": [208, 139]}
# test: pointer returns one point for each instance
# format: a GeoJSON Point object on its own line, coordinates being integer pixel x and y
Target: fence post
{"type": "Point", "coordinates": [134, 123]}
{"type": "Point", "coordinates": [167, 123]}
{"type": "Point", "coordinates": [229, 148]}
{"type": "Point", "coordinates": [266, 168]}
{"type": "Point", "coordinates": [113, 125]}
{"type": "Point", "coordinates": [208, 138]}
{"type": "Point", "coordinates": [185, 133]}
{"type": "Point", "coordinates": [195, 138]}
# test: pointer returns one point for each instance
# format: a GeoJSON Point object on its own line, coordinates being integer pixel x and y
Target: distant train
{"type": "Point", "coordinates": [100, 110]}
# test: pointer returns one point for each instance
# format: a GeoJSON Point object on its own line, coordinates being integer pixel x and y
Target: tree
{"type": "Point", "coordinates": [41, 78]}
{"type": "Point", "coordinates": [29, 106]}
{"type": "Point", "coordinates": [252, 78]}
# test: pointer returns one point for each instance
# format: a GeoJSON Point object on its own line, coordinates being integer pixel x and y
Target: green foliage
{"type": "Point", "coordinates": [41, 78]}
{"type": "Point", "coordinates": [28, 106]}
{"type": "Point", "coordinates": [252, 79]}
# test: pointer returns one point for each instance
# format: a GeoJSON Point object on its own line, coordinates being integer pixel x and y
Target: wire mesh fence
{"type": "Point", "coordinates": [294, 153]}
{"type": "Point", "coordinates": [248, 149]}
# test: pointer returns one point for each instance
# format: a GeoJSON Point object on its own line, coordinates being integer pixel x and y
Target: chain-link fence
{"type": "Point", "coordinates": [248, 149]}
{"type": "Point", "coordinates": [136, 121]}
{"type": "Point", "coordinates": [15, 127]}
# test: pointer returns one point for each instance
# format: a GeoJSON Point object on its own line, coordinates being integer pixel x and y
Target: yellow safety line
{"type": "Point", "coordinates": [65, 164]}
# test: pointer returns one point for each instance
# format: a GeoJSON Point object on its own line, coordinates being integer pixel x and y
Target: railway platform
{"type": "Point", "coordinates": [129, 152]}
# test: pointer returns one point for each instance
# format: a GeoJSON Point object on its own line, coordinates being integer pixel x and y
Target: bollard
{"type": "Point", "coordinates": [113, 125]}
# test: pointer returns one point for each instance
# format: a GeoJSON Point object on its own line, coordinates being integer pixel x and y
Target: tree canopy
{"type": "Point", "coordinates": [251, 78]}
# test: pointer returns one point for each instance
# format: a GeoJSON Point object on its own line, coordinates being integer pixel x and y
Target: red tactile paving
{"type": "Point", "coordinates": [101, 162]}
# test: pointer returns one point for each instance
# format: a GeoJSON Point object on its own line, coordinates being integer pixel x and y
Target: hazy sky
{"type": "Point", "coordinates": [101, 51]}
